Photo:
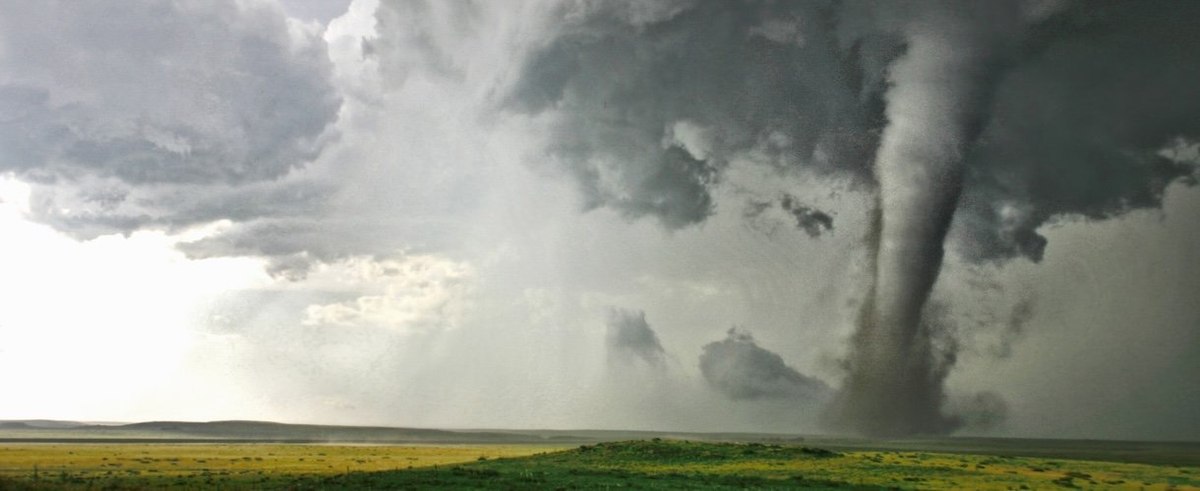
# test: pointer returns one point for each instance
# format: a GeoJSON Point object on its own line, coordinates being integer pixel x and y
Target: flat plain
{"type": "Point", "coordinates": [39, 454]}
{"type": "Point", "coordinates": [206, 465]}
{"type": "Point", "coordinates": [644, 464]}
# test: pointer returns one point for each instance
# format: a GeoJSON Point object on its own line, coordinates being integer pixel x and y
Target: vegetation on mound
{"type": "Point", "coordinates": [664, 464]}
{"type": "Point", "coordinates": [673, 451]}
{"type": "Point", "coordinates": [654, 464]}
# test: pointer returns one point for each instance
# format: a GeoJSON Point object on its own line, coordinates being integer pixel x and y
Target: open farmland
{"type": "Point", "coordinates": [652, 464]}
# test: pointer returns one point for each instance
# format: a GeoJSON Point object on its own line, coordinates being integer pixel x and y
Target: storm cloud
{"type": "Point", "coordinates": [972, 124]}
{"type": "Point", "coordinates": [650, 103]}
{"type": "Point", "coordinates": [630, 338]}
{"type": "Point", "coordinates": [137, 115]}
{"type": "Point", "coordinates": [740, 369]}
{"type": "Point", "coordinates": [646, 105]}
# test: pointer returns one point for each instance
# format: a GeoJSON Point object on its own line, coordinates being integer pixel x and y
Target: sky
{"type": "Point", "coordinates": [874, 218]}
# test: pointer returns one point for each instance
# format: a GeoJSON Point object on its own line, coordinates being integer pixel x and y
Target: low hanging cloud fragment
{"type": "Point", "coordinates": [769, 216]}
{"type": "Point", "coordinates": [741, 370]}
{"type": "Point", "coordinates": [812, 221]}
{"type": "Point", "coordinates": [1014, 329]}
{"type": "Point", "coordinates": [630, 339]}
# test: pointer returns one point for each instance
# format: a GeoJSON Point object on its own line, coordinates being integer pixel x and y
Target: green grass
{"type": "Point", "coordinates": [638, 465]}
{"type": "Point", "coordinates": [648, 464]}
{"type": "Point", "coordinates": [692, 465]}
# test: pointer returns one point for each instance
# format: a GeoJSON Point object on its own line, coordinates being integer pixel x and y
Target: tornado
{"type": "Point", "coordinates": [936, 104]}
{"type": "Point", "coordinates": [653, 103]}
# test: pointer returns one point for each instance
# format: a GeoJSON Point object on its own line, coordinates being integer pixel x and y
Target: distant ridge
{"type": "Point", "coordinates": [41, 423]}
{"type": "Point", "coordinates": [266, 430]}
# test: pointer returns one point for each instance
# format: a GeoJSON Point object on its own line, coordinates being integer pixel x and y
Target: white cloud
{"type": "Point", "coordinates": [411, 293]}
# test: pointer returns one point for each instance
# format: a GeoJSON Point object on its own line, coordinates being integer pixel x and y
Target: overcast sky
{"type": "Point", "coordinates": [590, 214]}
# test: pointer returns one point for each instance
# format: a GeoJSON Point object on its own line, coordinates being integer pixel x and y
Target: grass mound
{"type": "Point", "coordinates": [682, 451]}
{"type": "Point", "coordinates": [647, 464]}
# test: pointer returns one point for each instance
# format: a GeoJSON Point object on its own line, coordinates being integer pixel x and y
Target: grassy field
{"type": "Point", "coordinates": [252, 465]}
{"type": "Point", "coordinates": [653, 464]}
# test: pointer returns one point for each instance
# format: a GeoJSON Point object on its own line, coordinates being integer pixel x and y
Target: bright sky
{"type": "Point", "coordinates": [104, 324]}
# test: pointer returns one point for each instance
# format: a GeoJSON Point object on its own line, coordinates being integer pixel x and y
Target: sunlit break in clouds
{"type": "Point", "coordinates": [883, 219]}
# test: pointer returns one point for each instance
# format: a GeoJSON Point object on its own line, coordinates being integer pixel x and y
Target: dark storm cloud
{"type": "Point", "coordinates": [647, 102]}
{"type": "Point", "coordinates": [1077, 125]}
{"type": "Point", "coordinates": [738, 368]}
{"type": "Point", "coordinates": [630, 338]}
{"type": "Point", "coordinates": [993, 117]}
{"type": "Point", "coordinates": [1082, 99]}
{"type": "Point", "coordinates": [650, 103]}
{"type": "Point", "coordinates": [118, 106]}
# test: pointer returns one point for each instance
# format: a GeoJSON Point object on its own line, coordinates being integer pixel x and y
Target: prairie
{"type": "Point", "coordinates": [647, 464]}
{"type": "Point", "coordinates": [253, 465]}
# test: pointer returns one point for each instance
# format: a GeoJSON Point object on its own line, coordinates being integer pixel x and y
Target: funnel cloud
{"type": "Point", "coordinates": [940, 110]}
{"type": "Point", "coordinates": [940, 91]}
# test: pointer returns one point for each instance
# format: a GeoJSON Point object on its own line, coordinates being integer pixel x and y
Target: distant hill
{"type": "Point", "coordinates": [40, 423]}
{"type": "Point", "coordinates": [263, 430]}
